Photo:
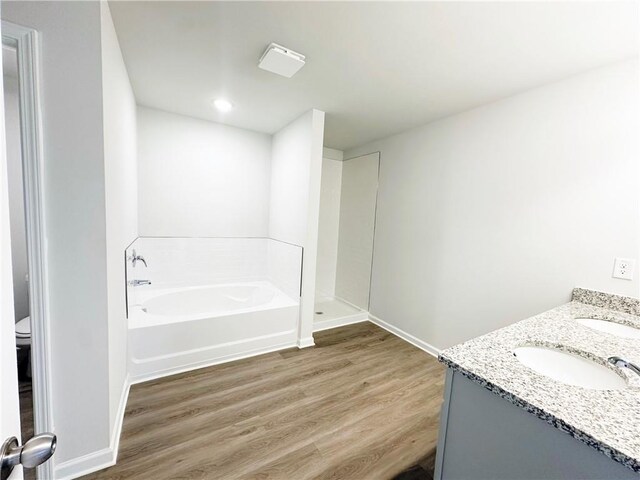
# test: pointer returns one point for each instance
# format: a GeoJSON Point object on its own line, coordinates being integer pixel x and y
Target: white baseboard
{"type": "Point", "coordinates": [430, 349]}
{"type": "Point", "coordinates": [305, 342]}
{"type": "Point", "coordinates": [104, 458]}
{"type": "Point", "coordinates": [117, 431]}
{"type": "Point", "coordinates": [89, 463]}
{"type": "Point", "coordinates": [340, 322]}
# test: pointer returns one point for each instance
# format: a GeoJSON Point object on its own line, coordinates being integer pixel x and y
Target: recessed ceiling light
{"type": "Point", "coordinates": [222, 105]}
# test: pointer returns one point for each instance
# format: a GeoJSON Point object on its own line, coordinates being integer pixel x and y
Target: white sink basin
{"type": "Point", "coordinates": [569, 369]}
{"type": "Point", "coordinates": [613, 328]}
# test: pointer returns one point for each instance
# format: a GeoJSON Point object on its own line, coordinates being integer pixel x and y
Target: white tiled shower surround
{"type": "Point", "coordinates": [177, 262]}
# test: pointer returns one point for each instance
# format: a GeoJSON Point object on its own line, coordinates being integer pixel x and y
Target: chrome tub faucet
{"type": "Point", "coordinates": [138, 283]}
{"type": "Point", "coordinates": [135, 258]}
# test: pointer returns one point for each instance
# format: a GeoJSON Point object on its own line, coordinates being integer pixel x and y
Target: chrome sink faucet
{"type": "Point", "coordinates": [138, 283]}
{"type": "Point", "coordinates": [134, 258]}
{"type": "Point", "coordinates": [622, 363]}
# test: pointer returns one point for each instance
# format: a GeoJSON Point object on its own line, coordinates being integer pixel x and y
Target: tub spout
{"type": "Point", "coordinates": [138, 283]}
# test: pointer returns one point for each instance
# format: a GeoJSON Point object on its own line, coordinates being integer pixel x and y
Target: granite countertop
{"type": "Point", "coordinates": [607, 420]}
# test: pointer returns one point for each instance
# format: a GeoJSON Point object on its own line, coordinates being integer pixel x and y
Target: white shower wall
{"type": "Point", "coordinates": [357, 225]}
{"type": "Point", "coordinates": [328, 227]}
{"type": "Point", "coordinates": [284, 266]}
{"type": "Point", "coordinates": [178, 262]}
{"type": "Point", "coordinates": [346, 228]}
{"type": "Point", "coordinates": [201, 179]}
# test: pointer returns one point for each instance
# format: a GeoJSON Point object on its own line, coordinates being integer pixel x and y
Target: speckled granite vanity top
{"type": "Point", "coordinates": [607, 420]}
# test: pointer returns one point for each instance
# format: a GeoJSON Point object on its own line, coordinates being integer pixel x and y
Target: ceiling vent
{"type": "Point", "coordinates": [281, 60]}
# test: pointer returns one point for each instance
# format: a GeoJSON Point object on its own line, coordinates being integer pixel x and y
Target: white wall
{"type": "Point", "coordinates": [328, 226]}
{"type": "Point", "coordinates": [16, 198]}
{"type": "Point", "coordinates": [296, 168]}
{"type": "Point", "coordinates": [75, 230]}
{"type": "Point", "coordinates": [357, 223]}
{"type": "Point", "coordinates": [493, 215]}
{"type": "Point", "coordinates": [121, 195]}
{"type": "Point", "coordinates": [290, 174]}
{"type": "Point", "coordinates": [201, 179]}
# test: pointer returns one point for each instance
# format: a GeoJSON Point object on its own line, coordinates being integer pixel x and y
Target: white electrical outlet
{"type": "Point", "coordinates": [623, 268]}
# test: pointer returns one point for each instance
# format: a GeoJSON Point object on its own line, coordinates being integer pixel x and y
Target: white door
{"type": "Point", "coordinates": [39, 448]}
{"type": "Point", "coordinates": [9, 406]}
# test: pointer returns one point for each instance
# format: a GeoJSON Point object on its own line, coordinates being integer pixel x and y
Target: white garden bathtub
{"type": "Point", "coordinates": [177, 329]}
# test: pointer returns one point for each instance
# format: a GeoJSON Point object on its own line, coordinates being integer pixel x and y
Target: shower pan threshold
{"type": "Point", "coordinates": [332, 313]}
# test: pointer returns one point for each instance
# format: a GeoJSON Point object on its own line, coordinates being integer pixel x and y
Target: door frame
{"type": "Point", "coordinates": [26, 42]}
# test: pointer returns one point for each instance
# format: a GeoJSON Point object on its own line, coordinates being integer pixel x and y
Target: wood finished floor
{"type": "Point", "coordinates": [361, 404]}
{"type": "Point", "coordinates": [26, 420]}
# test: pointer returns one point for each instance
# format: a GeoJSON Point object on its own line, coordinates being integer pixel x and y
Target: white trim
{"type": "Point", "coordinates": [430, 349]}
{"type": "Point", "coordinates": [145, 377]}
{"type": "Point", "coordinates": [340, 321]}
{"type": "Point", "coordinates": [101, 459]}
{"type": "Point", "coordinates": [122, 407]}
{"type": "Point", "coordinates": [85, 464]}
{"type": "Point", "coordinates": [305, 342]}
{"type": "Point", "coordinates": [27, 45]}
{"type": "Point", "coordinates": [332, 154]}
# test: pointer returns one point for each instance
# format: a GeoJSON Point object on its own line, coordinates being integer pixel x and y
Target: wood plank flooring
{"type": "Point", "coordinates": [26, 420]}
{"type": "Point", "coordinates": [361, 404]}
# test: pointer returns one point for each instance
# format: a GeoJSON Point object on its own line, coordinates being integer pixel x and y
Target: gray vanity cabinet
{"type": "Point", "coordinates": [484, 436]}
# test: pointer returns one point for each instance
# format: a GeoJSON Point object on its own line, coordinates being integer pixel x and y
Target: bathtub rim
{"type": "Point", "coordinates": [138, 318]}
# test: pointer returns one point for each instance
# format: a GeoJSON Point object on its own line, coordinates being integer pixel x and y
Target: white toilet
{"type": "Point", "coordinates": [23, 332]}
{"type": "Point", "coordinates": [23, 345]}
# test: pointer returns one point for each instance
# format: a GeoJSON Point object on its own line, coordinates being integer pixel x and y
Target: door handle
{"type": "Point", "coordinates": [34, 452]}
